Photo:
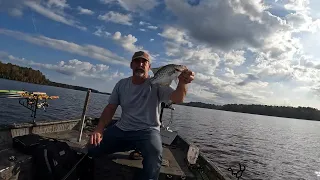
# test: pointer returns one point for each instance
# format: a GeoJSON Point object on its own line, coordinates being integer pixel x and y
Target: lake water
{"type": "Point", "coordinates": [270, 147]}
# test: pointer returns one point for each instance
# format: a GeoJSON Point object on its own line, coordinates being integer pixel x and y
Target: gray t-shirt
{"type": "Point", "coordinates": [140, 104]}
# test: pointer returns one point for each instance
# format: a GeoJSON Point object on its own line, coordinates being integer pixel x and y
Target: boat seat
{"type": "Point", "coordinates": [14, 164]}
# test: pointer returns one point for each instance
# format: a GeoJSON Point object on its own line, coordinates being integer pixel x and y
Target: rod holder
{"type": "Point", "coordinates": [83, 117]}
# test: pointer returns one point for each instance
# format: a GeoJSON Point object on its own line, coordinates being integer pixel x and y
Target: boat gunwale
{"type": "Point", "coordinates": [206, 161]}
{"type": "Point", "coordinates": [37, 123]}
{"type": "Point", "coordinates": [203, 160]}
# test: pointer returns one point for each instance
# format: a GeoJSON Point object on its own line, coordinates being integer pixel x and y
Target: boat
{"type": "Point", "coordinates": [177, 164]}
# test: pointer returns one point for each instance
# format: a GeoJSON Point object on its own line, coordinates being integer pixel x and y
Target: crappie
{"type": "Point", "coordinates": [164, 75]}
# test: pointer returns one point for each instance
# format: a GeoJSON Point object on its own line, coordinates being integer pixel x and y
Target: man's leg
{"type": "Point", "coordinates": [149, 143]}
{"type": "Point", "coordinates": [113, 140]}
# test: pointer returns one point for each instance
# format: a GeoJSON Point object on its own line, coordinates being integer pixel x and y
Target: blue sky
{"type": "Point", "coordinates": [241, 51]}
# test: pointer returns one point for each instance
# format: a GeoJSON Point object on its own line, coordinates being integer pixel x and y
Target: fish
{"type": "Point", "coordinates": [164, 75]}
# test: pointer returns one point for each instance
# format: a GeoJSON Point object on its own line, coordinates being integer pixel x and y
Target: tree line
{"type": "Point", "coordinates": [25, 74]}
{"type": "Point", "coordinates": [279, 111]}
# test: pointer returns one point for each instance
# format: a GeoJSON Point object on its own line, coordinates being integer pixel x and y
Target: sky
{"type": "Point", "coordinates": [242, 51]}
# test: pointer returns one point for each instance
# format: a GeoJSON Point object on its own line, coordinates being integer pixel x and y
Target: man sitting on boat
{"type": "Point", "coordinates": [139, 126]}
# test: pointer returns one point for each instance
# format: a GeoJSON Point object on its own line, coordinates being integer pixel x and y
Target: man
{"type": "Point", "coordinates": [139, 126]}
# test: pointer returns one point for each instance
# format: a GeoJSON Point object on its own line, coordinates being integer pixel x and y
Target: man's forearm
{"type": "Point", "coordinates": [178, 95]}
{"type": "Point", "coordinates": [105, 118]}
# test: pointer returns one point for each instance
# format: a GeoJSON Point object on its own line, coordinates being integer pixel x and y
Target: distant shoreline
{"type": "Point", "coordinates": [303, 113]}
{"type": "Point", "coordinates": [23, 74]}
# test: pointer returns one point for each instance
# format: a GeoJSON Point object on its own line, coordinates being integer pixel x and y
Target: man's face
{"type": "Point", "coordinates": [140, 67]}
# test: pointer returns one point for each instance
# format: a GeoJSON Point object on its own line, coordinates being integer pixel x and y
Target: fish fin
{"type": "Point", "coordinates": [155, 70]}
{"type": "Point", "coordinates": [176, 81]}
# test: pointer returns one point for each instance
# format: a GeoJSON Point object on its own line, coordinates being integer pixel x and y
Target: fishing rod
{"type": "Point", "coordinates": [29, 100]}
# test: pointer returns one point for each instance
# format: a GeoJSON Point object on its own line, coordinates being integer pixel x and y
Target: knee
{"type": "Point", "coordinates": [158, 150]}
{"type": "Point", "coordinates": [154, 151]}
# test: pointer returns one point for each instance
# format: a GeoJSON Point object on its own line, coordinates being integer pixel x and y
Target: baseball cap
{"type": "Point", "coordinates": [141, 54]}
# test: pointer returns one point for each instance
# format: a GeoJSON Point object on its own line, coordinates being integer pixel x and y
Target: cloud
{"type": "Point", "coordinates": [127, 42]}
{"type": "Point", "coordinates": [151, 40]}
{"type": "Point", "coordinates": [250, 78]}
{"type": "Point", "coordinates": [177, 35]}
{"type": "Point", "coordinates": [73, 67]}
{"type": "Point", "coordinates": [86, 50]}
{"type": "Point", "coordinates": [302, 22]}
{"type": "Point", "coordinates": [240, 23]}
{"type": "Point", "coordinates": [84, 11]}
{"type": "Point", "coordinates": [222, 92]}
{"type": "Point", "coordinates": [234, 58]}
{"type": "Point", "coordinates": [143, 30]}
{"type": "Point", "coordinates": [296, 5]}
{"type": "Point", "coordinates": [116, 17]}
{"type": "Point", "coordinates": [152, 27]}
{"type": "Point", "coordinates": [241, 54]}
{"type": "Point", "coordinates": [134, 6]}
{"type": "Point", "coordinates": [52, 9]}
{"type": "Point", "coordinates": [100, 32]}
{"type": "Point", "coordinates": [13, 7]}
{"type": "Point", "coordinates": [142, 23]}
{"type": "Point", "coordinates": [211, 81]}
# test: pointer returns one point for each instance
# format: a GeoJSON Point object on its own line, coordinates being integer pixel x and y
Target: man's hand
{"type": "Point", "coordinates": [186, 77]}
{"type": "Point", "coordinates": [95, 138]}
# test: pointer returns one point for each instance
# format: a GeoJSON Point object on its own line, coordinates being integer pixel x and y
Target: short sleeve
{"type": "Point", "coordinates": [114, 97]}
{"type": "Point", "coordinates": [165, 93]}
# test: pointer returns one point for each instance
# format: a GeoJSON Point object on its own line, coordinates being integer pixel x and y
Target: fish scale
{"type": "Point", "coordinates": [164, 75]}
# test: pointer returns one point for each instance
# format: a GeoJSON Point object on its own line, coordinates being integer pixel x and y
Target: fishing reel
{"type": "Point", "coordinates": [43, 105]}
{"type": "Point", "coordinates": [34, 101]}
{"type": "Point", "coordinates": [30, 100]}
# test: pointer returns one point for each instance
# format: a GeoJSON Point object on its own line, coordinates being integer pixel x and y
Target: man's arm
{"type": "Point", "coordinates": [106, 117]}
{"type": "Point", "coordinates": [178, 95]}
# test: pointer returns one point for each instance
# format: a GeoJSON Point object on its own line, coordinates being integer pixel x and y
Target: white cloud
{"type": "Point", "coordinates": [52, 9]}
{"type": "Point", "coordinates": [142, 23]}
{"type": "Point", "coordinates": [116, 17]}
{"type": "Point", "coordinates": [60, 4]}
{"type": "Point", "coordinates": [244, 32]}
{"type": "Point", "coordinates": [296, 5]}
{"type": "Point", "coordinates": [51, 15]}
{"type": "Point", "coordinates": [73, 67]}
{"type": "Point", "coordinates": [152, 27]}
{"type": "Point", "coordinates": [151, 40]}
{"type": "Point", "coordinates": [240, 23]}
{"type": "Point", "coordinates": [127, 42]}
{"type": "Point", "coordinates": [135, 6]}
{"type": "Point", "coordinates": [175, 34]}
{"type": "Point", "coordinates": [85, 11]}
{"type": "Point", "coordinates": [234, 58]}
{"type": "Point", "coordinates": [86, 50]}
{"type": "Point", "coordinates": [101, 33]}
{"type": "Point", "coordinates": [143, 30]}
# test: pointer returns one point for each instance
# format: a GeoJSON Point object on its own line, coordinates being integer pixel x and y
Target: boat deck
{"type": "Point", "coordinates": [114, 166]}
{"type": "Point", "coordinates": [173, 157]}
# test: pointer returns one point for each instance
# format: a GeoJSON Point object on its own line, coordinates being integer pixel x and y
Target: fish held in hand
{"type": "Point", "coordinates": [164, 75]}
